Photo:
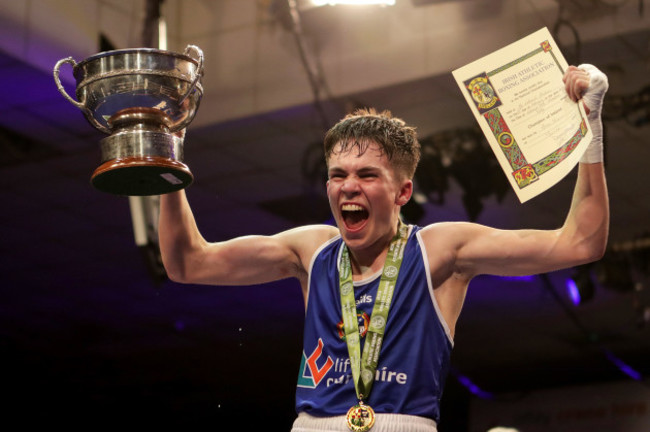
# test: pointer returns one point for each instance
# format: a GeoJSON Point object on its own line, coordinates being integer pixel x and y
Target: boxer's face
{"type": "Point", "coordinates": [365, 195]}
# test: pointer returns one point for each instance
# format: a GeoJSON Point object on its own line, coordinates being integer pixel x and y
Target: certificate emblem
{"type": "Point", "coordinates": [505, 139]}
{"type": "Point", "coordinates": [483, 94]}
{"type": "Point", "coordinates": [360, 418]}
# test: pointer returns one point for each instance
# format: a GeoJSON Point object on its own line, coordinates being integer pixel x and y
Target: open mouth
{"type": "Point", "coordinates": [354, 216]}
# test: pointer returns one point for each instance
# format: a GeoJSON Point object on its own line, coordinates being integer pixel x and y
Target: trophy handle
{"type": "Point", "coordinates": [60, 86]}
{"type": "Point", "coordinates": [199, 69]}
{"type": "Point", "coordinates": [65, 94]}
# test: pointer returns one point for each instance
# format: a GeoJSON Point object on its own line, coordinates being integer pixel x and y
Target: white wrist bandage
{"type": "Point", "coordinates": [593, 98]}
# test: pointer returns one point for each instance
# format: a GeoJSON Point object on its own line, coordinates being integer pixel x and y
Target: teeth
{"type": "Point", "coordinates": [351, 207]}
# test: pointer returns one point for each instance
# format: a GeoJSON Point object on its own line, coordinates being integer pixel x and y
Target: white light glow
{"type": "Point", "coordinates": [353, 2]}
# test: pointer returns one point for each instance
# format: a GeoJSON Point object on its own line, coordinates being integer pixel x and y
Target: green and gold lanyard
{"type": "Point", "coordinates": [363, 370]}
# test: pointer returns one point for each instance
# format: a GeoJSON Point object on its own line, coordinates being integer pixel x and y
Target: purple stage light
{"type": "Point", "coordinates": [623, 367]}
{"type": "Point", "coordinates": [572, 289]}
{"type": "Point", "coordinates": [473, 388]}
{"type": "Point", "coordinates": [579, 286]}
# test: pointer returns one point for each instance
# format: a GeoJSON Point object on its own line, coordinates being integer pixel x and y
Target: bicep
{"type": "Point", "coordinates": [479, 249]}
{"type": "Point", "coordinates": [255, 259]}
{"type": "Point", "coordinates": [513, 252]}
{"type": "Point", "coordinates": [245, 260]}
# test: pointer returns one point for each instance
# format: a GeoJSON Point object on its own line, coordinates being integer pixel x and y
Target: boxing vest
{"type": "Point", "coordinates": [414, 358]}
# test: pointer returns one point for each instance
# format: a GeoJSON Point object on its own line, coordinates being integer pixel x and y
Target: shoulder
{"type": "Point", "coordinates": [447, 243]}
{"type": "Point", "coordinates": [310, 233]}
{"type": "Point", "coordinates": [449, 233]}
{"type": "Point", "coordinates": [305, 240]}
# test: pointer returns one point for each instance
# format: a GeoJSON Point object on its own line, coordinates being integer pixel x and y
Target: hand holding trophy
{"type": "Point", "coordinates": [143, 99]}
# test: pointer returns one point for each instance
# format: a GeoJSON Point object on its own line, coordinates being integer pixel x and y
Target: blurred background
{"type": "Point", "coordinates": [92, 334]}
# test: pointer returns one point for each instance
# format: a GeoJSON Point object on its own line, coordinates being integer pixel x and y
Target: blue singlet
{"type": "Point", "coordinates": [414, 358]}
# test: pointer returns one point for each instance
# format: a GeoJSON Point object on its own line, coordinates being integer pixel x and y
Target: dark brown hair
{"type": "Point", "coordinates": [397, 140]}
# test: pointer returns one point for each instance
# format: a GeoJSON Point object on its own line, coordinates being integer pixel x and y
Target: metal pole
{"type": "Point", "coordinates": [145, 210]}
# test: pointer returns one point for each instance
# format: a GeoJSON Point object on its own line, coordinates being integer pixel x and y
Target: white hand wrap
{"type": "Point", "coordinates": [593, 98]}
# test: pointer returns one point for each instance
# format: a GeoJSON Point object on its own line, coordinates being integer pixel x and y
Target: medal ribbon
{"type": "Point", "coordinates": [364, 368]}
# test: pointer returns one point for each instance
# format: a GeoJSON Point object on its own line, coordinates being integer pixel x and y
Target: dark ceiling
{"type": "Point", "coordinates": [92, 334]}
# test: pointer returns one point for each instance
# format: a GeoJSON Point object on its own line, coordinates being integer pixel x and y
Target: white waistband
{"type": "Point", "coordinates": [383, 423]}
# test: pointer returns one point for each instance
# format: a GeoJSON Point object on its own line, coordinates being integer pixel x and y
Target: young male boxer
{"type": "Point", "coordinates": [404, 284]}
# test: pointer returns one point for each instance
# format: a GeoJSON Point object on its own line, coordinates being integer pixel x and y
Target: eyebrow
{"type": "Point", "coordinates": [361, 171]}
{"type": "Point", "coordinates": [335, 170]}
{"type": "Point", "coordinates": [368, 170]}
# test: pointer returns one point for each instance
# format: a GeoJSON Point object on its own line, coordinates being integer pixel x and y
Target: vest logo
{"type": "Point", "coordinates": [310, 373]}
{"type": "Point", "coordinates": [363, 319]}
{"type": "Point", "coordinates": [366, 298]}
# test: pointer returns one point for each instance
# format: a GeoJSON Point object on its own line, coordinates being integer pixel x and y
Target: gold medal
{"type": "Point", "coordinates": [360, 418]}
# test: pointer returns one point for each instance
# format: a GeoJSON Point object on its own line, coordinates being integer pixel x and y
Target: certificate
{"type": "Point", "coordinates": [536, 131]}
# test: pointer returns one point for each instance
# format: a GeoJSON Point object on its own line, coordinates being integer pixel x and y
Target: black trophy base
{"type": "Point", "coordinates": [141, 176]}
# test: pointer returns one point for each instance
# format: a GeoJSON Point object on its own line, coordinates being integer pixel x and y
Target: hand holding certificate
{"type": "Point", "coordinates": [517, 95]}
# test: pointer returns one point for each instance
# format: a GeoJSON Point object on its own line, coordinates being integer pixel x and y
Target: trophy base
{"type": "Point", "coordinates": [141, 176]}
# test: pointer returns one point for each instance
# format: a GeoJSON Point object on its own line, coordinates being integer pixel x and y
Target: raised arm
{"type": "Point", "coordinates": [459, 251]}
{"type": "Point", "coordinates": [476, 249]}
{"type": "Point", "coordinates": [189, 258]}
{"type": "Point", "coordinates": [581, 239]}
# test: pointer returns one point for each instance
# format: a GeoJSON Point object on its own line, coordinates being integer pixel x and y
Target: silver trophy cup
{"type": "Point", "coordinates": [143, 98]}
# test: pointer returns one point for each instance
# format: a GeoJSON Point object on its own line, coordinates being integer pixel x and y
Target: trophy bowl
{"type": "Point", "coordinates": [143, 98]}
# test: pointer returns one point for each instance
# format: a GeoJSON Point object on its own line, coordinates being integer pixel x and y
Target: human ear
{"type": "Point", "coordinates": [405, 193]}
